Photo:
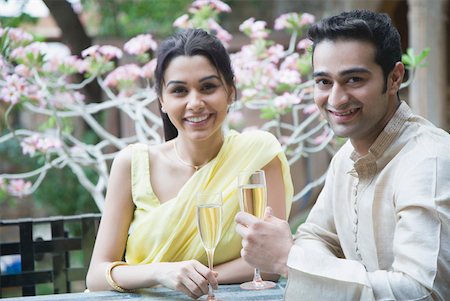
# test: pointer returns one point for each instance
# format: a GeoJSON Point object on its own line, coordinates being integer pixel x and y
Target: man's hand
{"type": "Point", "coordinates": [265, 243]}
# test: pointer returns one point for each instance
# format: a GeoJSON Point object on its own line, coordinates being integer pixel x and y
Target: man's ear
{"type": "Point", "coordinates": [396, 78]}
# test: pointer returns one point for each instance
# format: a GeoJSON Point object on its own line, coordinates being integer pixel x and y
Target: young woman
{"type": "Point", "coordinates": [149, 213]}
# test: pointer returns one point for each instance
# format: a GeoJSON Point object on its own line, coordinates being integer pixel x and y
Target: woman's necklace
{"type": "Point", "coordinates": [196, 167]}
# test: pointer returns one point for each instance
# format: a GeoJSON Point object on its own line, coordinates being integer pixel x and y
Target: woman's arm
{"type": "Point", "coordinates": [238, 271]}
{"type": "Point", "coordinates": [190, 277]}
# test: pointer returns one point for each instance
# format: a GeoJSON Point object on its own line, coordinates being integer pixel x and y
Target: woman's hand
{"type": "Point", "coordinates": [190, 277]}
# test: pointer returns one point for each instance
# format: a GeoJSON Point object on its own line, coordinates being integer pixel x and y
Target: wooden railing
{"type": "Point", "coordinates": [48, 251]}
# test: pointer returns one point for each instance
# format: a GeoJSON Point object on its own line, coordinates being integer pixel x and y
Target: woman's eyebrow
{"type": "Point", "coordinates": [175, 82]}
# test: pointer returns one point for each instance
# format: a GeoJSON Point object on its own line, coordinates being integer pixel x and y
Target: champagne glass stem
{"type": "Point", "coordinates": [257, 276]}
{"type": "Point", "coordinates": [210, 255]}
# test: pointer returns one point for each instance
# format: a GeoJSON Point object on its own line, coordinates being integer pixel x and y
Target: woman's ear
{"type": "Point", "coordinates": [232, 95]}
{"type": "Point", "coordinates": [396, 78]}
{"type": "Point", "coordinates": [161, 105]}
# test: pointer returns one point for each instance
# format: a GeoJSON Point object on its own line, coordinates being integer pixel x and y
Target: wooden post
{"type": "Point", "coordinates": [427, 28]}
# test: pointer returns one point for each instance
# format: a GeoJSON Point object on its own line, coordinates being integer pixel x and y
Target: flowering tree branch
{"type": "Point", "coordinates": [274, 81]}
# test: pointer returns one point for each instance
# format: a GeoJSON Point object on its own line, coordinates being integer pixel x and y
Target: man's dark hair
{"type": "Point", "coordinates": [363, 25]}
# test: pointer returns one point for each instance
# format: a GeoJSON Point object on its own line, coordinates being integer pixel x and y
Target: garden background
{"type": "Point", "coordinates": [67, 149]}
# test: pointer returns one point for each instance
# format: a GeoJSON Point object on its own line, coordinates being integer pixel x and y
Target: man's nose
{"type": "Point", "coordinates": [338, 96]}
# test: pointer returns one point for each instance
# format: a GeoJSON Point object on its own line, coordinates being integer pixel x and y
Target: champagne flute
{"type": "Point", "coordinates": [253, 200]}
{"type": "Point", "coordinates": [209, 224]}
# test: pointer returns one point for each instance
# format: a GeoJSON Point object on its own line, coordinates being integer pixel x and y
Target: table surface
{"type": "Point", "coordinates": [224, 293]}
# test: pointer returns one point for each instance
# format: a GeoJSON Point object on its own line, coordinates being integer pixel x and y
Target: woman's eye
{"type": "Point", "coordinates": [179, 90]}
{"type": "Point", "coordinates": [209, 87]}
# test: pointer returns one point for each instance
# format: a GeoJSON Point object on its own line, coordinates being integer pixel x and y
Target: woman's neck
{"type": "Point", "coordinates": [195, 154]}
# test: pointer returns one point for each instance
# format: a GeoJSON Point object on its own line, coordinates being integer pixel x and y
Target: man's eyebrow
{"type": "Point", "coordinates": [343, 72]}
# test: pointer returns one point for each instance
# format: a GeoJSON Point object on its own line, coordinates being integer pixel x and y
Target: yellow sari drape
{"type": "Point", "coordinates": [167, 232]}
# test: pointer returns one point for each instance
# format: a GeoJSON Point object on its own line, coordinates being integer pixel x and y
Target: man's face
{"type": "Point", "coordinates": [349, 90]}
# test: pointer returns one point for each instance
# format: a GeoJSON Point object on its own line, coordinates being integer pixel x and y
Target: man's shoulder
{"type": "Point", "coordinates": [428, 139]}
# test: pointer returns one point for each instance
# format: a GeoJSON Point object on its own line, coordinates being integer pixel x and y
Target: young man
{"type": "Point", "coordinates": [380, 229]}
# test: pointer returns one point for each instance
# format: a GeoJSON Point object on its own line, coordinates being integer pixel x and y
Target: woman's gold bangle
{"type": "Point", "coordinates": [109, 278]}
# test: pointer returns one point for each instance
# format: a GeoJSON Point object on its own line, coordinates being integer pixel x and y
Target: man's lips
{"type": "Point", "coordinates": [344, 113]}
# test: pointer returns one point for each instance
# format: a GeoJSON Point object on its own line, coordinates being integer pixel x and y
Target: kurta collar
{"type": "Point", "coordinates": [366, 165]}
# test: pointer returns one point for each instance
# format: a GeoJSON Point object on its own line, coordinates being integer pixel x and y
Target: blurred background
{"type": "Point", "coordinates": [73, 25]}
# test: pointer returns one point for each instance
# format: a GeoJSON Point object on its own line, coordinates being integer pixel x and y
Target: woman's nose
{"type": "Point", "coordinates": [195, 101]}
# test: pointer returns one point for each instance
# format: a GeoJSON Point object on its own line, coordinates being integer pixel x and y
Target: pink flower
{"type": "Point", "coordinates": [140, 44]}
{"type": "Point", "coordinates": [217, 5]}
{"type": "Point", "coordinates": [20, 36]}
{"type": "Point", "coordinates": [129, 72]}
{"type": "Point", "coordinates": [65, 64]}
{"type": "Point", "coordinates": [304, 44]}
{"type": "Point", "coordinates": [38, 143]}
{"type": "Point", "coordinates": [275, 52]}
{"type": "Point", "coordinates": [307, 19]}
{"type": "Point", "coordinates": [148, 70]}
{"type": "Point", "coordinates": [287, 21]}
{"type": "Point", "coordinates": [110, 52]}
{"type": "Point", "coordinates": [223, 35]}
{"type": "Point", "coordinates": [235, 119]}
{"type": "Point", "coordinates": [290, 62]}
{"type": "Point", "coordinates": [90, 51]}
{"type": "Point", "coordinates": [254, 29]}
{"type": "Point", "coordinates": [19, 188]}
{"type": "Point", "coordinates": [22, 70]}
{"type": "Point", "coordinates": [106, 51]}
{"type": "Point", "coordinates": [13, 89]}
{"type": "Point", "coordinates": [286, 101]}
{"type": "Point", "coordinates": [182, 22]}
{"type": "Point", "coordinates": [290, 77]}
{"type": "Point", "coordinates": [281, 103]}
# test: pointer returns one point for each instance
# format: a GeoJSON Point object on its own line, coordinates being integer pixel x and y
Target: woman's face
{"type": "Point", "coordinates": [195, 97]}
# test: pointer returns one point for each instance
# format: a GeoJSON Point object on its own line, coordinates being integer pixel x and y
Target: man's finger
{"type": "Point", "coordinates": [241, 230]}
{"type": "Point", "coordinates": [268, 213]}
{"type": "Point", "coordinates": [245, 219]}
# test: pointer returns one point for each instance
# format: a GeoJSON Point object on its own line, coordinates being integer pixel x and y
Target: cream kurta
{"type": "Point", "coordinates": [168, 232]}
{"type": "Point", "coordinates": [380, 229]}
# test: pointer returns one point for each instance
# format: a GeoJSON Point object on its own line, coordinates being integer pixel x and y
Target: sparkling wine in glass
{"type": "Point", "coordinates": [253, 200]}
{"type": "Point", "coordinates": [209, 224]}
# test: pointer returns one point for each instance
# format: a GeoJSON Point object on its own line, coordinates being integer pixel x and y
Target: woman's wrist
{"type": "Point", "coordinates": [108, 275]}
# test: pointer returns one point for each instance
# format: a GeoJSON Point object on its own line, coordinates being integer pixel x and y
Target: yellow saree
{"type": "Point", "coordinates": [167, 232]}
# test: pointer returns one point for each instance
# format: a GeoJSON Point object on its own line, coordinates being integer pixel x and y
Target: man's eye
{"type": "Point", "coordinates": [322, 82]}
{"type": "Point", "coordinates": [354, 79]}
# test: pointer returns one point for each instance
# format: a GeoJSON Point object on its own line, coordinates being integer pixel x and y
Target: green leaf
{"type": "Point", "coordinates": [422, 55]}
{"type": "Point", "coordinates": [268, 113]}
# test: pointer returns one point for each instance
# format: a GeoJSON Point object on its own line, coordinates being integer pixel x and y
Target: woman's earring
{"type": "Point", "coordinates": [163, 110]}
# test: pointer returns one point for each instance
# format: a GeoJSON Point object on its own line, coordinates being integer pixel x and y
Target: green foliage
{"type": "Point", "coordinates": [60, 193]}
{"type": "Point", "coordinates": [413, 61]}
{"type": "Point", "coordinates": [126, 18]}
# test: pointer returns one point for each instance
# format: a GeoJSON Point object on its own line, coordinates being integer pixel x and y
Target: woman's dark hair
{"type": "Point", "coordinates": [364, 25]}
{"type": "Point", "coordinates": [190, 42]}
